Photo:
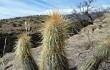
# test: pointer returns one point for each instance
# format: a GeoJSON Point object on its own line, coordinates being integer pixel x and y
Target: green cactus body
{"type": "Point", "coordinates": [23, 52]}
{"type": "Point", "coordinates": [29, 64]}
{"type": "Point", "coordinates": [101, 53]}
{"type": "Point", "coordinates": [53, 55]}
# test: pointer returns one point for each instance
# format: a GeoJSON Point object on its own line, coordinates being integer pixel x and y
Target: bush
{"type": "Point", "coordinates": [14, 25]}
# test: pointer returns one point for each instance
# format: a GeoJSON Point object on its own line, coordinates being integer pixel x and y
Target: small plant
{"type": "Point", "coordinates": [20, 25]}
{"type": "Point", "coordinates": [101, 53]}
{"type": "Point", "coordinates": [14, 24]}
{"type": "Point", "coordinates": [23, 52]}
{"type": "Point", "coordinates": [53, 54]}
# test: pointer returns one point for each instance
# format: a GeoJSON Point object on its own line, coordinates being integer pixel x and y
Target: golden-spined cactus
{"type": "Point", "coordinates": [101, 53]}
{"type": "Point", "coordinates": [23, 53]}
{"type": "Point", "coordinates": [53, 52]}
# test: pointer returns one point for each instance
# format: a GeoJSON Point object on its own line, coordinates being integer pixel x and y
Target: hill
{"type": "Point", "coordinates": [15, 24]}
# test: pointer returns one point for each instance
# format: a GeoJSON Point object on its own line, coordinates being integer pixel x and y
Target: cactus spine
{"type": "Point", "coordinates": [23, 52]}
{"type": "Point", "coordinates": [102, 52]}
{"type": "Point", "coordinates": [53, 54]}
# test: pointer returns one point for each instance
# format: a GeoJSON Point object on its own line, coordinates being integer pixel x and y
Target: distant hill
{"type": "Point", "coordinates": [17, 23]}
{"type": "Point", "coordinates": [32, 19]}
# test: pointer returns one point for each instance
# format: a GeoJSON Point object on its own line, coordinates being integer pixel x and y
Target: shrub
{"type": "Point", "coordinates": [14, 25]}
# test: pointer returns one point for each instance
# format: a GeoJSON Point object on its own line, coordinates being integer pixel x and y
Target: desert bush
{"type": "Point", "coordinates": [14, 24]}
{"type": "Point", "coordinates": [19, 25]}
{"type": "Point", "coordinates": [70, 29]}
{"type": "Point", "coordinates": [53, 52]}
{"type": "Point", "coordinates": [1, 25]}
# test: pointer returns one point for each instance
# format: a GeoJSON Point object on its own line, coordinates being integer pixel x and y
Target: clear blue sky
{"type": "Point", "coordinates": [14, 8]}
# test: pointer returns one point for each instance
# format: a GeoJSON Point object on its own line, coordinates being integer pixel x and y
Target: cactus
{"type": "Point", "coordinates": [101, 53]}
{"type": "Point", "coordinates": [23, 52]}
{"type": "Point", "coordinates": [53, 54]}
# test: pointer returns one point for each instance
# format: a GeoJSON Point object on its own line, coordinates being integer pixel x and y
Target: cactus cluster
{"type": "Point", "coordinates": [23, 52]}
{"type": "Point", "coordinates": [53, 52]}
{"type": "Point", "coordinates": [101, 53]}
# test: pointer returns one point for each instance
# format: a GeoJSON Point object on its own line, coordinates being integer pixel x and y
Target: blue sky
{"type": "Point", "coordinates": [15, 8]}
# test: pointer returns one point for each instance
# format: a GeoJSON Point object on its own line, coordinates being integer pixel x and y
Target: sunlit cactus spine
{"type": "Point", "coordinates": [53, 52]}
{"type": "Point", "coordinates": [101, 53]}
{"type": "Point", "coordinates": [23, 53]}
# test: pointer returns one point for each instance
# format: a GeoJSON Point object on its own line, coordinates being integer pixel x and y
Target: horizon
{"type": "Point", "coordinates": [20, 8]}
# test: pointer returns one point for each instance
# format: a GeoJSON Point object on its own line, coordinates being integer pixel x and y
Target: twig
{"type": "Point", "coordinates": [4, 46]}
{"type": "Point", "coordinates": [27, 27]}
{"type": "Point", "coordinates": [4, 52]}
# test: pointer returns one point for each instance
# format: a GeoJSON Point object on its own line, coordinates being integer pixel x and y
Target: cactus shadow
{"type": "Point", "coordinates": [73, 68]}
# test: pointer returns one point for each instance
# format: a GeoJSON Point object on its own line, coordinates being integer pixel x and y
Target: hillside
{"type": "Point", "coordinates": [11, 28]}
{"type": "Point", "coordinates": [80, 46]}
{"type": "Point", "coordinates": [17, 24]}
